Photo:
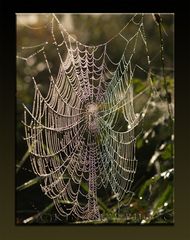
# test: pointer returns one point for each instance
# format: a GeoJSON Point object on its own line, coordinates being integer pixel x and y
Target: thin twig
{"type": "Point", "coordinates": [168, 95]}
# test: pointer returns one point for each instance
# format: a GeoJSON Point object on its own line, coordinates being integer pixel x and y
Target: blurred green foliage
{"type": "Point", "coordinates": [153, 199]}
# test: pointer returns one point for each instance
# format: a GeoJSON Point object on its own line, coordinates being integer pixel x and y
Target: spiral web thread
{"type": "Point", "coordinates": [75, 143]}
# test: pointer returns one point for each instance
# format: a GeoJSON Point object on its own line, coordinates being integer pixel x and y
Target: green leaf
{"type": "Point", "coordinates": [166, 154]}
{"type": "Point", "coordinates": [26, 155]}
{"type": "Point", "coordinates": [29, 184]}
{"type": "Point", "coordinates": [149, 182]}
{"type": "Point", "coordinates": [163, 198]}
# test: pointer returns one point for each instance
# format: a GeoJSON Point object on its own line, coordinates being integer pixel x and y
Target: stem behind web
{"type": "Point", "coordinates": [168, 94]}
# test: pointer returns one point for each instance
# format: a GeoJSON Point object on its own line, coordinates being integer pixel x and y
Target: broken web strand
{"type": "Point", "coordinates": [119, 169]}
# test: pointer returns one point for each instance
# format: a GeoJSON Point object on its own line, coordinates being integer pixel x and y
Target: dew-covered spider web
{"type": "Point", "coordinates": [81, 132]}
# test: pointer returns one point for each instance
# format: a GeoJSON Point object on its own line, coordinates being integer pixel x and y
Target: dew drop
{"type": "Point", "coordinates": [165, 204]}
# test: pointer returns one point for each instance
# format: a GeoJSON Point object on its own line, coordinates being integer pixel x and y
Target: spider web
{"type": "Point", "coordinates": [82, 133]}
